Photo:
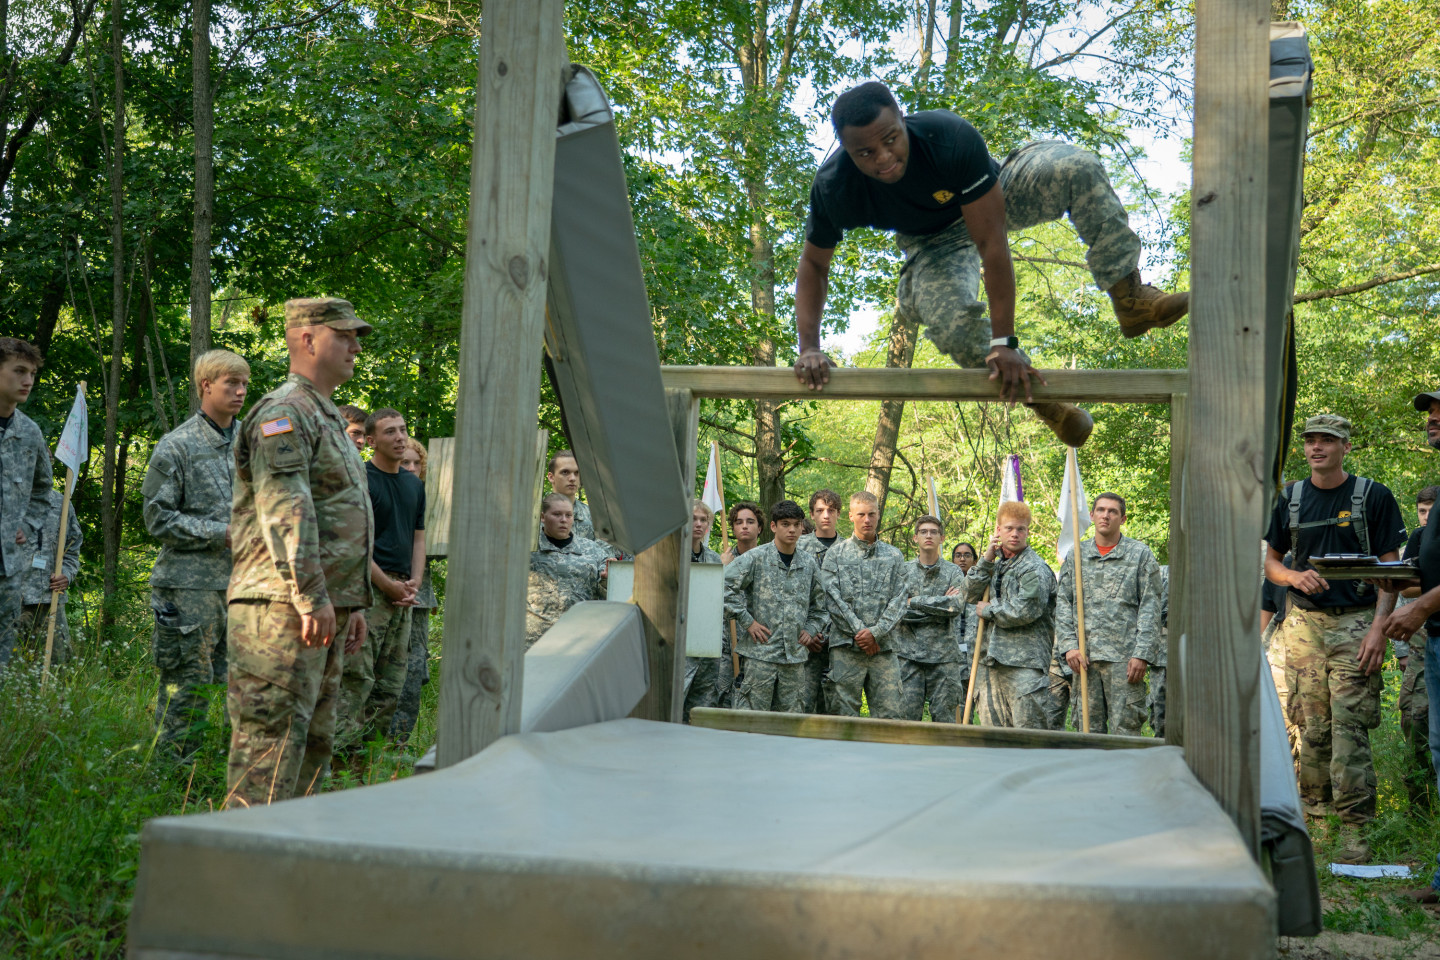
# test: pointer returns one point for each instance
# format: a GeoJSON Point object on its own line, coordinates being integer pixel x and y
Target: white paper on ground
{"type": "Point", "coordinates": [1375, 871]}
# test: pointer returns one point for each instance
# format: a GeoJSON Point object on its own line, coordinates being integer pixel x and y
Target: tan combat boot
{"type": "Point", "coordinates": [1140, 307]}
{"type": "Point", "coordinates": [1353, 848]}
{"type": "Point", "coordinates": [1071, 424]}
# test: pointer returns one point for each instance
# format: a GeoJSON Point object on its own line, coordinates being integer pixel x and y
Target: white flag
{"type": "Point", "coordinates": [1068, 520]}
{"type": "Point", "coordinates": [73, 450]}
{"type": "Point", "coordinates": [711, 495]}
{"type": "Point", "coordinates": [1010, 486]}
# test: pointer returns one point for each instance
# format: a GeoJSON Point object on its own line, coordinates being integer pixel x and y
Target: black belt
{"type": "Point", "coordinates": [1332, 611]}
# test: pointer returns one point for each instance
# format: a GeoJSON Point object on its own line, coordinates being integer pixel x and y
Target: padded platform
{"type": "Point", "coordinates": [633, 839]}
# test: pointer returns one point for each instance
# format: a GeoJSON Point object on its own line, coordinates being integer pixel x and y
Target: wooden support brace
{"type": "Point", "coordinates": [517, 96]}
{"type": "Point", "coordinates": [1226, 491]}
{"type": "Point", "coordinates": [1175, 669]}
{"type": "Point", "coordinates": [816, 727]}
{"type": "Point", "coordinates": [1073, 386]}
{"type": "Point", "coordinates": [662, 581]}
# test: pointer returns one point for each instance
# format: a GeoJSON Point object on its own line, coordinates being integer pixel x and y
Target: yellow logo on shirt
{"type": "Point", "coordinates": [943, 196]}
{"type": "Point", "coordinates": [1341, 516]}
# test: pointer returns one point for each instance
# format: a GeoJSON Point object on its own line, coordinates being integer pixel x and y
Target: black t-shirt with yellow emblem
{"type": "Point", "coordinates": [949, 166]}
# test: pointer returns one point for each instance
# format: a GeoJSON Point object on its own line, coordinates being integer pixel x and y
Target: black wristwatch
{"type": "Point", "coordinates": [1012, 341]}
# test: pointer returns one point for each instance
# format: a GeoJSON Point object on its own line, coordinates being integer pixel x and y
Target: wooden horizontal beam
{"type": "Point", "coordinates": [779, 383]}
{"type": "Point", "coordinates": [816, 727]}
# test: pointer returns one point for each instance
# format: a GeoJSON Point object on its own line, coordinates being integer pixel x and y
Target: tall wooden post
{"type": "Point", "coordinates": [662, 581]}
{"type": "Point", "coordinates": [1175, 671]}
{"type": "Point", "coordinates": [517, 97]}
{"type": "Point", "coordinates": [1226, 495]}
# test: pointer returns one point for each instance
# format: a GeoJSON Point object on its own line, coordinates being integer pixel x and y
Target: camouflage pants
{"type": "Point", "coordinates": [1042, 181]}
{"type": "Point", "coordinates": [282, 699]}
{"type": "Point", "coordinates": [771, 686]}
{"type": "Point", "coordinates": [1155, 701]}
{"type": "Point", "coordinates": [943, 684]}
{"type": "Point", "coordinates": [1059, 679]}
{"type": "Point", "coordinates": [701, 683]}
{"type": "Point", "coordinates": [374, 677]}
{"type": "Point", "coordinates": [1414, 704]}
{"type": "Point", "coordinates": [188, 648]}
{"type": "Point", "coordinates": [1336, 706]}
{"type": "Point", "coordinates": [35, 628]}
{"type": "Point", "coordinates": [1117, 706]}
{"type": "Point", "coordinates": [852, 671]}
{"type": "Point", "coordinates": [10, 609]}
{"type": "Point", "coordinates": [1013, 696]}
{"type": "Point", "coordinates": [417, 674]}
{"type": "Point", "coordinates": [812, 698]}
{"type": "Point", "coordinates": [1275, 657]}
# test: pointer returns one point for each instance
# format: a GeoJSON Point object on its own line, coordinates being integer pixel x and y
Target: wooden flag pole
{"type": "Point", "coordinates": [59, 566]}
{"type": "Point", "coordinates": [934, 502]}
{"type": "Point", "coordinates": [725, 548]}
{"type": "Point", "coordinates": [1073, 466]}
{"type": "Point", "coordinates": [974, 664]}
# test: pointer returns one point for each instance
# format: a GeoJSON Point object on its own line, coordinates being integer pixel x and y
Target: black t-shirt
{"type": "Point", "coordinates": [1383, 523]}
{"type": "Point", "coordinates": [785, 558]}
{"type": "Point", "coordinates": [1412, 546]}
{"type": "Point", "coordinates": [398, 502]}
{"type": "Point", "coordinates": [949, 166]}
{"type": "Point", "coordinates": [1427, 558]}
{"type": "Point", "coordinates": [828, 541]}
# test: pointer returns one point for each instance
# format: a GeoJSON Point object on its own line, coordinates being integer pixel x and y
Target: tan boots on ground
{"type": "Point", "coordinates": [1140, 307]}
{"type": "Point", "coordinates": [1068, 422]}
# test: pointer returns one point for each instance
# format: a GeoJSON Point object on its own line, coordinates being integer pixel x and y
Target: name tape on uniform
{"type": "Point", "coordinates": [276, 427]}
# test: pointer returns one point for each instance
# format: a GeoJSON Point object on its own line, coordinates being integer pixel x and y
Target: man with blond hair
{"type": "Point", "coordinates": [188, 488]}
{"type": "Point", "coordinates": [1013, 683]}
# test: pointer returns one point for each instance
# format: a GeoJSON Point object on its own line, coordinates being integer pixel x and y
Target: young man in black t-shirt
{"type": "Point", "coordinates": [1413, 703]}
{"type": "Point", "coordinates": [374, 678]}
{"type": "Point", "coordinates": [930, 179]}
{"type": "Point", "coordinates": [1332, 637]}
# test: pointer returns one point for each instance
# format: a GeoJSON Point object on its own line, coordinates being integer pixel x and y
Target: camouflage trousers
{"type": "Point", "coordinates": [1275, 657]}
{"type": "Point", "coordinates": [281, 700]}
{"type": "Point", "coordinates": [1336, 706]}
{"type": "Point", "coordinates": [943, 684]}
{"type": "Point", "coordinates": [11, 606]}
{"type": "Point", "coordinates": [812, 698]}
{"type": "Point", "coordinates": [1059, 679]}
{"type": "Point", "coordinates": [188, 647]}
{"type": "Point", "coordinates": [35, 628]}
{"type": "Point", "coordinates": [1012, 696]}
{"type": "Point", "coordinates": [852, 672]}
{"type": "Point", "coordinates": [1155, 701]}
{"type": "Point", "coordinates": [1042, 181]}
{"type": "Point", "coordinates": [417, 674]}
{"type": "Point", "coordinates": [701, 683]}
{"type": "Point", "coordinates": [776, 687]}
{"type": "Point", "coordinates": [1414, 705]}
{"type": "Point", "coordinates": [1117, 706]}
{"type": "Point", "coordinates": [374, 677]}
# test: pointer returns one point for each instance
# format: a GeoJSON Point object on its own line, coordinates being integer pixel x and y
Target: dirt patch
{"type": "Point", "coordinates": [1359, 946]}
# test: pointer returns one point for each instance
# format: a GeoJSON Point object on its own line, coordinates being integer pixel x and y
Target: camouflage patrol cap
{"type": "Point", "coordinates": [1328, 423]}
{"type": "Point", "coordinates": [1423, 401]}
{"type": "Point", "coordinates": [333, 312]}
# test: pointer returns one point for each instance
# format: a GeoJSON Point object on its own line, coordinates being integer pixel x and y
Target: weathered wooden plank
{"type": "Point", "coordinates": [816, 727]}
{"type": "Point", "coordinates": [662, 581]}
{"type": "Point", "coordinates": [517, 94]}
{"type": "Point", "coordinates": [1175, 672]}
{"type": "Point", "coordinates": [1075, 386]}
{"type": "Point", "coordinates": [1226, 495]}
{"type": "Point", "coordinates": [439, 487]}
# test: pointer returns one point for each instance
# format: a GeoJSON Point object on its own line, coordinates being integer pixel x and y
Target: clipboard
{"type": "Point", "coordinates": [1358, 566]}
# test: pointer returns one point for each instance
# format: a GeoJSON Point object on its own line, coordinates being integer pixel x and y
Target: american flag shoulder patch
{"type": "Point", "coordinates": [276, 427]}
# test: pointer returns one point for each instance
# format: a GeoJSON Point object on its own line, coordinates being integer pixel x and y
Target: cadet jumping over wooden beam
{"type": "Point", "coordinates": [929, 178]}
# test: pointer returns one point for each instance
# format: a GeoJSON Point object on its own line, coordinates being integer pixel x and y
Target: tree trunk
{"type": "Point", "coordinates": [204, 103]}
{"type": "Point", "coordinates": [769, 455]}
{"type": "Point", "coordinates": [109, 504]}
{"type": "Point", "coordinates": [887, 428]}
{"type": "Point", "coordinates": [51, 300]}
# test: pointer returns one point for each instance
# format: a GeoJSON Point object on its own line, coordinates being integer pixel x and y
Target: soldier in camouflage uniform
{"type": "Point", "coordinates": [1414, 701]}
{"type": "Point", "coordinates": [744, 518]}
{"type": "Point", "coordinates": [41, 581]}
{"type": "Point", "coordinates": [25, 484]}
{"type": "Point", "coordinates": [564, 570]}
{"type": "Point", "coordinates": [188, 490]}
{"type": "Point", "coordinates": [417, 669]}
{"type": "Point", "coordinates": [701, 673]}
{"type": "Point", "coordinates": [864, 584]}
{"type": "Point", "coordinates": [824, 514]}
{"type": "Point", "coordinates": [927, 641]}
{"type": "Point", "coordinates": [930, 179]}
{"type": "Point", "coordinates": [301, 536]}
{"type": "Point", "coordinates": [1120, 579]}
{"type": "Point", "coordinates": [773, 594]}
{"type": "Point", "coordinates": [1334, 646]}
{"type": "Point", "coordinates": [1013, 684]}
{"type": "Point", "coordinates": [1155, 700]}
{"type": "Point", "coordinates": [563, 472]}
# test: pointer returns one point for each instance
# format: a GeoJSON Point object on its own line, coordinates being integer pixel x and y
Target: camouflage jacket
{"type": "Point", "coordinates": [1163, 654]}
{"type": "Point", "coordinates": [930, 629]}
{"type": "Point", "coordinates": [583, 525]}
{"type": "Point", "coordinates": [706, 555]}
{"type": "Point", "coordinates": [759, 587]}
{"type": "Point", "coordinates": [301, 528]}
{"type": "Point", "coordinates": [864, 587]}
{"type": "Point", "coordinates": [817, 548]}
{"type": "Point", "coordinates": [1020, 620]}
{"type": "Point", "coordinates": [1122, 603]}
{"type": "Point", "coordinates": [37, 579]}
{"type": "Point", "coordinates": [25, 485]}
{"type": "Point", "coordinates": [561, 578]}
{"type": "Point", "coordinates": [189, 487]}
